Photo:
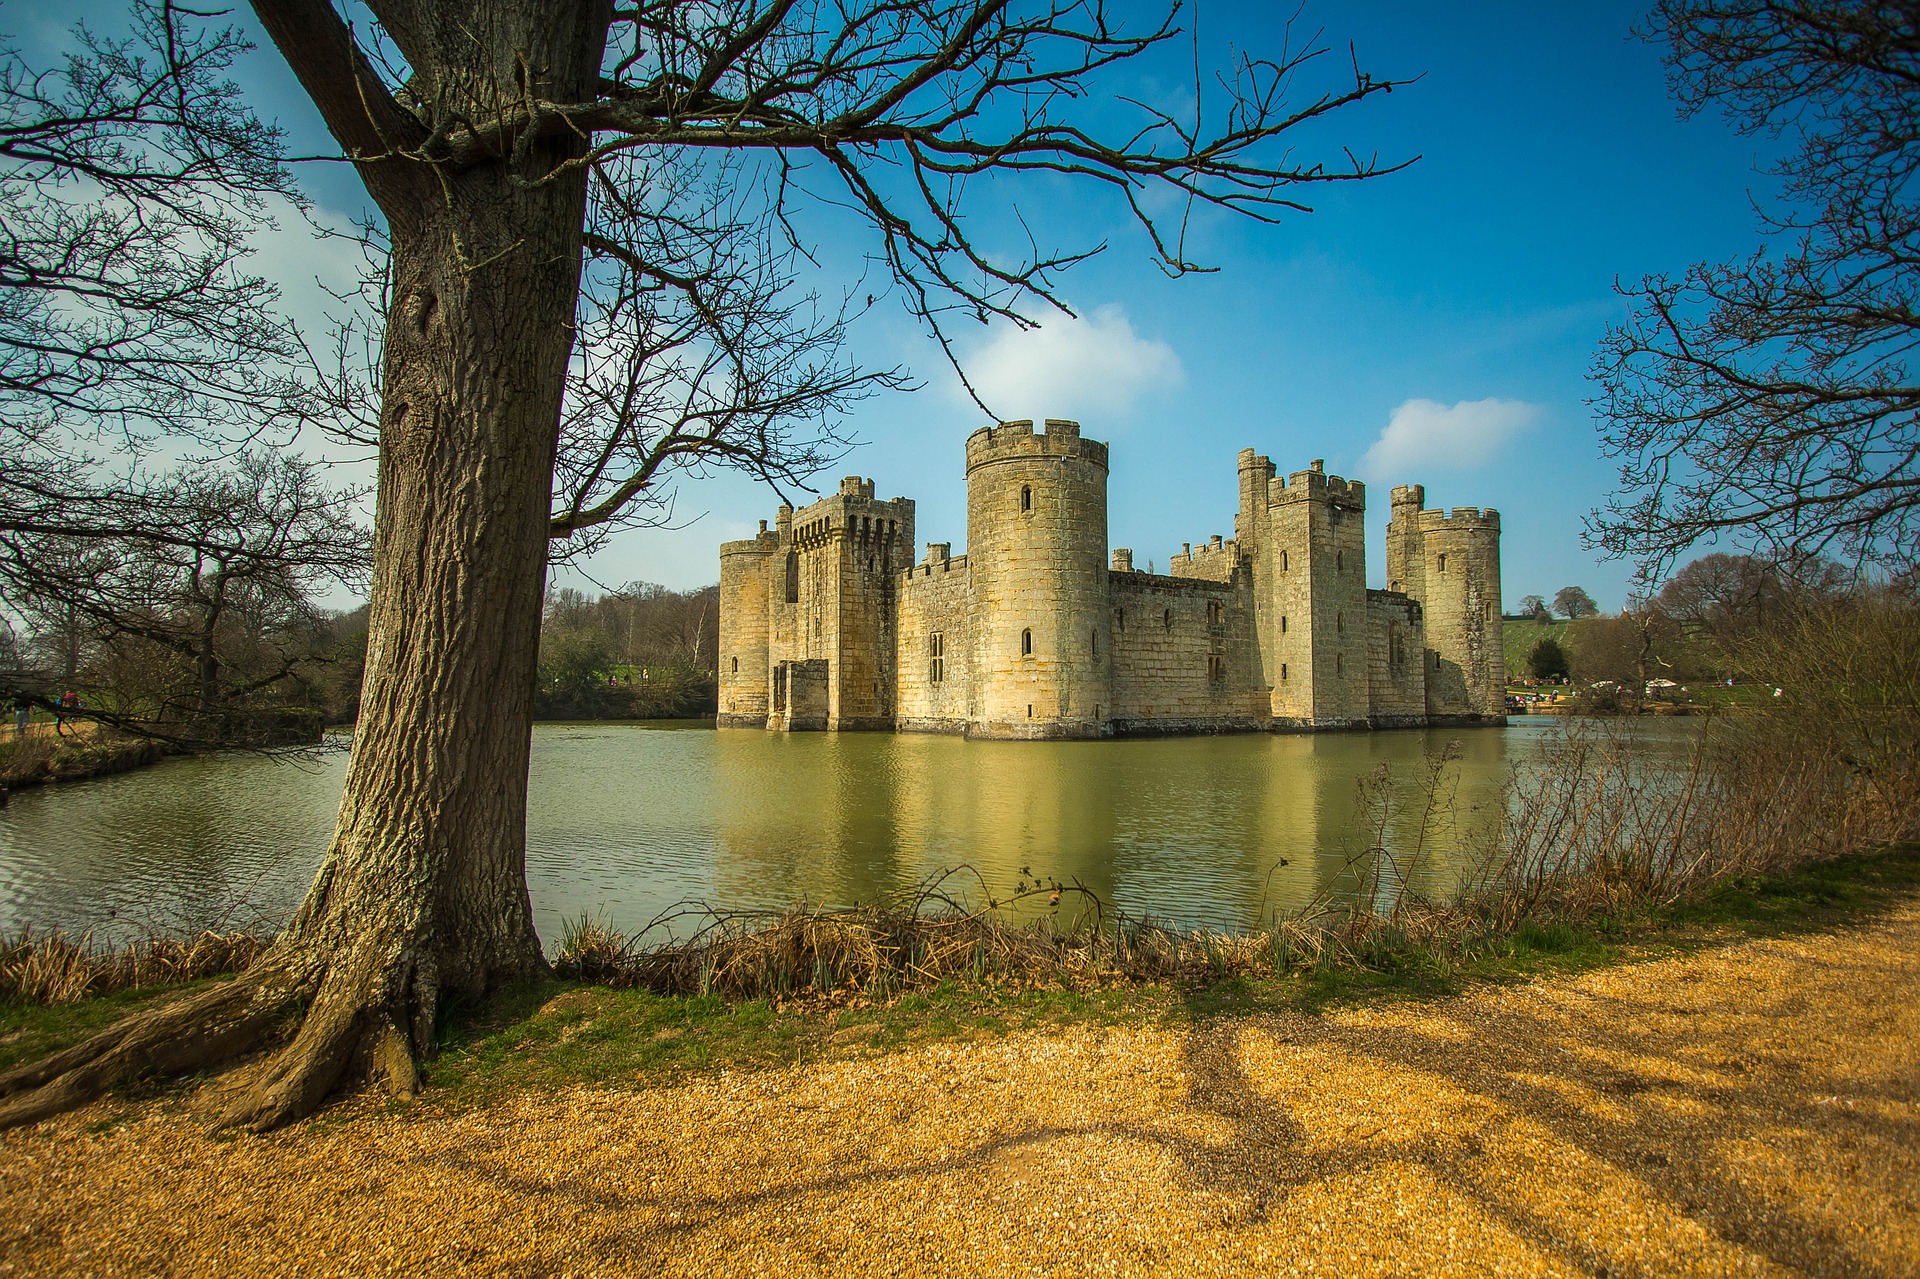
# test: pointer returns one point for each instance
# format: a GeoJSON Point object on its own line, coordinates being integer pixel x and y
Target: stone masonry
{"type": "Point", "coordinates": [1039, 631]}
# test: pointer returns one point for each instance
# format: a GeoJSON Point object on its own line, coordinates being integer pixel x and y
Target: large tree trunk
{"type": "Point", "coordinates": [423, 890]}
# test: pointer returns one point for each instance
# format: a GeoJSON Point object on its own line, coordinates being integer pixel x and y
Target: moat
{"type": "Point", "coordinates": [627, 819]}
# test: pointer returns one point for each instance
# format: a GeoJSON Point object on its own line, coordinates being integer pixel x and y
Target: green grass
{"type": "Point", "coordinates": [28, 1031]}
{"type": "Point", "coordinates": [554, 1034]}
{"type": "Point", "coordinates": [1520, 637]}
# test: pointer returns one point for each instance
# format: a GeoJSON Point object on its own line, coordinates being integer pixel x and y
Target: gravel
{"type": "Point", "coordinates": [1753, 1110]}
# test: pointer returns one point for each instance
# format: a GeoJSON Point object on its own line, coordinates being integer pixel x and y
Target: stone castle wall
{"type": "Point", "coordinates": [1182, 655]}
{"type": "Point", "coordinates": [746, 628]}
{"type": "Point", "coordinates": [1316, 553]}
{"type": "Point", "coordinates": [1035, 634]}
{"type": "Point", "coordinates": [837, 606]}
{"type": "Point", "coordinates": [1450, 563]}
{"type": "Point", "coordinates": [936, 600]}
{"type": "Point", "coordinates": [1214, 560]}
{"type": "Point", "coordinates": [1396, 661]}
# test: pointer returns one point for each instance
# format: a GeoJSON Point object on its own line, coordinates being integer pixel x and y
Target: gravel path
{"type": "Point", "coordinates": [1749, 1111]}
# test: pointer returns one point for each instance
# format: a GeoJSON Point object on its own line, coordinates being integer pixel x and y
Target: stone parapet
{"type": "Point", "coordinates": [1017, 440]}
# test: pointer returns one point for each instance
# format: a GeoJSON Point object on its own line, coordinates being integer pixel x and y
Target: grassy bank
{"type": "Point", "coordinates": [559, 1032]}
{"type": "Point", "coordinates": [563, 1031]}
{"type": "Point", "coordinates": [45, 756]}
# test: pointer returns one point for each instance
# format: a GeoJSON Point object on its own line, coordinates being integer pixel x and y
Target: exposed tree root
{"type": "Point", "coordinates": [191, 1034]}
{"type": "Point", "coordinates": [371, 1015]}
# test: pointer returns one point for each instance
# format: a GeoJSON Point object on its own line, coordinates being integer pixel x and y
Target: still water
{"type": "Point", "coordinates": [628, 819]}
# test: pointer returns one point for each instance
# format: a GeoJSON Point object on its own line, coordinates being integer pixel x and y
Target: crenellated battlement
{"type": "Point", "coordinates": [1215, 559]}
{"type": "Point", "coordinates": [1017, 440]}
{"type": "Point", "coordinates": [1315, 485]}
{"type": "Point", "coordinates": [1461, 519]}
{"type": "Point", "coordinates": [852, 514]}
{"type": "Point", "coordinates": [765, 542]}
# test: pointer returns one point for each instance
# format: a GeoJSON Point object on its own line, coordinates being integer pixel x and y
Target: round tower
{"type": "Point", "coordinates": [1460, 563]}
{"type": "Point", "coordinates": [746, 590]}
{"type": "Point", "coordinates": [1037, 559]}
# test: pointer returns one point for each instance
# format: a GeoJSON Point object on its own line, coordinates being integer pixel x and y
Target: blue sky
{"type": "Point", "coordinates": [1432, 326]}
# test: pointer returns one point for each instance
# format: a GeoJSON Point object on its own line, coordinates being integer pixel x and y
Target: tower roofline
{"type": "Point", "coordinates": [1016, 440]}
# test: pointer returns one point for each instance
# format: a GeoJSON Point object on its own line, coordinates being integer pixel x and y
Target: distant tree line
{"type": "Point", "coordinates": [641, 652]}
{"type": "Point", "coordinates": [1718, 619]}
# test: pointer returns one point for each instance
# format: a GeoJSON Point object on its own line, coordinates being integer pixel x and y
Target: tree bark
{"type": "Point", "coordinates": [423, 890]}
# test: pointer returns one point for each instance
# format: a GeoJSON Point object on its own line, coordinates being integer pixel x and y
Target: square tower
{"type": "Point", "coordinates": [831, 588]}
{"type": "Point", "coordinates": [1311, 574]}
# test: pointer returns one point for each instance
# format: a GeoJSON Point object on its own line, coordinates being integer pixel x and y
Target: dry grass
{"type": "Point", "coordinates": [54, 968]}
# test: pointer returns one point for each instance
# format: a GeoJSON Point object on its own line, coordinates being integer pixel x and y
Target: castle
{"type": "Point", "coordinates": [826, 621]}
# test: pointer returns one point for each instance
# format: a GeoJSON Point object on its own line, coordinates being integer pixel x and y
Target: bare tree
{"type": "Point", "coordinates": [130, 178]}
{"type": "Point", "coordinates": [1771, 400]}
{"type": "Point", "coordinates": [212, 617]}
{"type": "Point", "coordinates": [1728, 598]}
{"type": "Point", "coordinates": [502, 141]}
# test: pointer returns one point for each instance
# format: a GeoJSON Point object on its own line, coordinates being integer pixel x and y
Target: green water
{"type": "Point", "coordinates": [628, 819]}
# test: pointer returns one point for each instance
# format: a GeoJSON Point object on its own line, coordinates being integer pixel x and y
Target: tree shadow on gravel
{"type": "Point", "coordinates": [1654, 1086]}
{"type": "Point", "coordinates": [1677, 1095]}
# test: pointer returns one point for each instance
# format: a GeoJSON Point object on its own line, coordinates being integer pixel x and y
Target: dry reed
{"type": "Point", "coordinates": [55, 968]}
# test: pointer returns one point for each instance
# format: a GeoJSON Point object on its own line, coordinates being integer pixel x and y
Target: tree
{"type": "Point", "coordinates": [1770, 400]}
{"type": "Point", "coordinates": [502, 140]}
{"type": "Point", "coordinates": [130, 180]}
{"type": "Point", "coordinates": [1730, 597]}
{"type": "Point", "coordinates": [1574, 602]}
{"type": "Point", "coordinates": [1547, 660]}
{"type": "Point", "coordinates": [196, 628]}
{"type": "Point", "coordinates": [1535, 607]}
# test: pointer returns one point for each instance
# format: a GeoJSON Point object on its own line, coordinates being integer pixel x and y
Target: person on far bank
{"type": "Point", "coordinates": [22, 712]}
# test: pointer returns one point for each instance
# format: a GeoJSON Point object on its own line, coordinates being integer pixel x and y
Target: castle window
{"type": "Point", "coordinates": [1026, 643]}
{"type": "Point", "coordinates": [1283, 561]}
{"type": "Point", "coordinates": [1093, 645]}
{"type": "Point", "coordinates": [1216, 669]}
{"type": "Point", "coordinates": [1119, 619]}
{"type": "Point", "coordinates": [1026, 497]}
{"type": "Point", "coordinates": [1215, 613]}
{"type": "Point", "coordinates": [793, 577]}
{"type": "Point", "coordinates": [1166, 619]}
{"type": "Point", "coordinates": [736, 666]}
{"type": "Point", "coordinates": [1436, 661]}
{"type": "Point", "coordinates": [1339, 561]}
{"type": "Point", "coordinates": [1340, 623]}
{"type": "Point", "coordinates": [936, 657]}
{"type": "Point", "coordinates": [1283, 672]}
{"type": "Point", "coordinates": [1443, 562]}
{"type": "Point", "coordinates": [1283, 624]}
{"type": "Point", "coordinates": [1029, 710]}
{"type": "Point", "coordinates": [1339, 664]}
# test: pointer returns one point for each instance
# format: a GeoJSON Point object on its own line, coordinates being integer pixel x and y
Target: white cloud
{"type": "Point", "coordinates": [1427, 435]}
{"type": "Point", "coordinates": [1093, 367]}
